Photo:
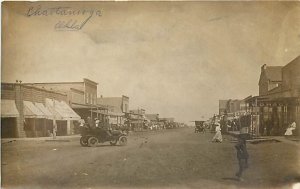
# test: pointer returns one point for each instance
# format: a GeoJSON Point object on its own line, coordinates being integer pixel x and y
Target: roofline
{"type": "Point", "coordinates": [291, 61]}
{"type": "Point", "coordinates": [123, 96]}
{"type": "Point", "coordinates": [85, 79]}
{"type": "Point", "coordinates": [53, 83]}
{"type": "Point", "coordinates": [63, 82]}
{"type": "Point", "coordinates": [275, 66]}
{"type": "Point", "coordinates": [34, 87]}
{"type": "Point", "coordinates": [90, 105]}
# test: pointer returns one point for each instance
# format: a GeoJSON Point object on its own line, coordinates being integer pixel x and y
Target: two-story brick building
{"type": "Point", "coordinates": [81, 96]}
{"type": "Point", "coordinates": [84, 92]}
{"type": "Point", "coordinates": [270, 78]}
{"type": "Point", "coordinates": [279, 98]}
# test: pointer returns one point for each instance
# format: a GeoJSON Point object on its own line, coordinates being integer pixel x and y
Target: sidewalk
{"type": "Point", "coordinates": [58, 138]}
{"type": "Point", "coordinates": [256, 140]}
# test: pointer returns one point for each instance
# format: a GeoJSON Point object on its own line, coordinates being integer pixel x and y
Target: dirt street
{"type": "Point", "coordinates": [176, 158]}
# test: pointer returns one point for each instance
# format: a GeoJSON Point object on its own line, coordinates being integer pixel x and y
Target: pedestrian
{"type": "Point", "coordinates": [289, 130]}
{"type": "Point", "coordinates": [90, 123]}
{"type": "Point", "coordinates": [97, 122]}
{"type": "Point", "coordinates": [242, 155]}
{"type": "Point", "coordinates": [218, 135]}
{"type": "Point", "coordinates": [107, 127]}
{"type": "Point", "coordinates": [81, 123]}
{"type": "Point", "coordinates": [54, 131]}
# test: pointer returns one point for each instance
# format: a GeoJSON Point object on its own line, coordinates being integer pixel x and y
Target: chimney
{"type": "Point", "coordinates": [263, 67]}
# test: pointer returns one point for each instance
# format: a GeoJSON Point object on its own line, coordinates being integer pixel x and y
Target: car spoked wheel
{"type": "Point", "coordinates": [123, 140]}
{"type": "Point", "coordinates": [113, 142]}
{"type": "Point", "coordinates": [83, 141]}
{"type": "Point", "coordinates": [92, 141]}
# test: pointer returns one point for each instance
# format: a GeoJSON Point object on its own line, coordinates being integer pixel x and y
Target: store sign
{"type": "Point", "coordinates": [274, 104]}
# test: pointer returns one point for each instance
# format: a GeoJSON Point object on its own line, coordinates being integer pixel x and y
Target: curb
{"type": "Point", "coordinates": [57, 140]}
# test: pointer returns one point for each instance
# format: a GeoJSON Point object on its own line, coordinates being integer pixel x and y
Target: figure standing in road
{"type": "Point", "coordinates": [218, 135]}
{"type": "Point", "coordinates": [242, 155]}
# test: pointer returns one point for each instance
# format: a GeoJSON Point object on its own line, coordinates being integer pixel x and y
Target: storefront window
{"type": "Point", "coordinates": [279, 109]}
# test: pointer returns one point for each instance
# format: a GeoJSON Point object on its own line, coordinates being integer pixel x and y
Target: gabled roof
{"type": "Point", "coordinates": [274, 73]}
{"type": "Point", "coordinates": [294, 61]}
{"type": "Point", "coordinates": [8, 108]}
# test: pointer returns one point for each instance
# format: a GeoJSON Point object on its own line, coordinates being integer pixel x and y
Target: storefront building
{"type": "Point", "coordinates": [137, 119]}
{"type": "Point", "coordinates": [279, 98]}
{"type": "Point", "coordinates": [81, 96]}
{"type": "Point", "coordinates": [28, 111]}
{"type": "Point", "coordinates": [118, 108]}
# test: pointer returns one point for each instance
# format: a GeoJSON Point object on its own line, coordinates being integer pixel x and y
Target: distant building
{"type": "Point", "coordinates": [152, 117]}
{"type": "Point", "coordinates": [118, 108]}
{"type": "Point", "coordinates": [137, 119]}
{"type": "Point", "coordinates": [167, 120]}
{"type": "Point", "coordinates": [116, 104]}
{"type": "Point", "coordinates": [232, 107]}
{"type": "Point", "coordinates": [223, 107]}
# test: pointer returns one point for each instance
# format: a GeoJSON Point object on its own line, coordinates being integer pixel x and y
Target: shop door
{"type": "Point", "coordinates": [8, 127]}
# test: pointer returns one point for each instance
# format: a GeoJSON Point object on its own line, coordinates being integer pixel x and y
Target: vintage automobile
{"type": "Point", "coordinates": [92, 136]}
{"type": "Point", "coordinates": [199, 127]}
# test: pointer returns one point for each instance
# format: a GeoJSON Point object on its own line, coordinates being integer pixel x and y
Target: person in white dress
{"type": "Point", "coordinates": [289, 130]}
{"type": "Point", "coordinates": [218, 135]}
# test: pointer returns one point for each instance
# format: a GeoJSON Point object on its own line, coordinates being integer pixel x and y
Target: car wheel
{"type": "Point", "coordinates": [83, 141]}
{"type": "Point", "coordinates": [92, 141]}
{"type": "Point", "coordinates": [113, 142]}
{"type": "Point", "coordinates": [123, 140]}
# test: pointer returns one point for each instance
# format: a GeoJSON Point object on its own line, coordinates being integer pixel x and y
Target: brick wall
{"type": "Point", "coordinates": [39, 95]}
{"type": "Point", "coordinates": [291, 75]}
{"type": "Point", "coordinates": [20, 106]}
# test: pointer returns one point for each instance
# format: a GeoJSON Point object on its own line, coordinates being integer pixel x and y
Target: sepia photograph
{"type": "Point", "coordinates": [150, 95]}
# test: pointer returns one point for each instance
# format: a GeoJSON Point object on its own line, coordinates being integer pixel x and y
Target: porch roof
{"type": "Point", "coordinates": [8, 108]}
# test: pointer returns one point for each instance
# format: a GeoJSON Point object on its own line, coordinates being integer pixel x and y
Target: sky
{"type": "Point", "coordinates": [176, 59]}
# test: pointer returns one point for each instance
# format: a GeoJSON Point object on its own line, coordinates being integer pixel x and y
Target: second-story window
{"type": "Point", "coordinates": [87, 98]}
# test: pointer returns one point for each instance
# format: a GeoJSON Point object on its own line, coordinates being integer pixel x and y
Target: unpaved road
{"type": "Point", "coordinates": [175, 158]}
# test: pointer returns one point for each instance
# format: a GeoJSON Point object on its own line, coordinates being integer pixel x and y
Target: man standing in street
{"type": "Point", "coordinates": [242, 155]}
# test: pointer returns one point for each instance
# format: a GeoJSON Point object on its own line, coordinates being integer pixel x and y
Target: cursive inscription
{"type": "Point", "coordinates": [71, 24]}
{"type": "Point", "coordinates": [75, 23]}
